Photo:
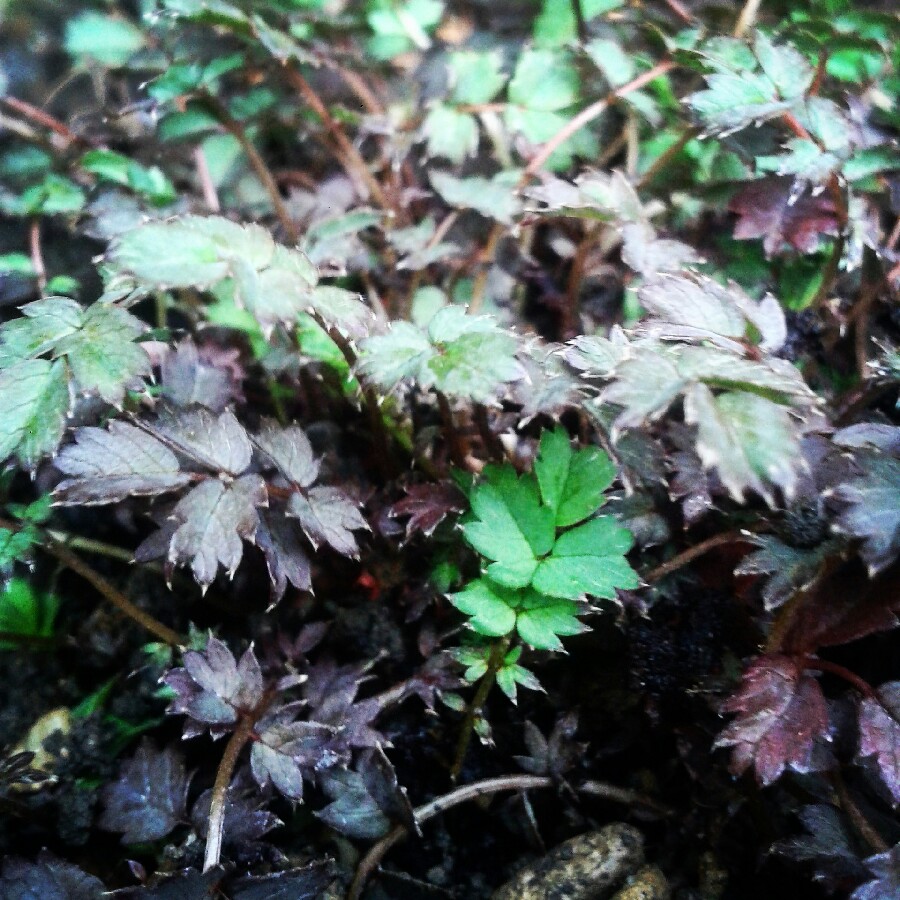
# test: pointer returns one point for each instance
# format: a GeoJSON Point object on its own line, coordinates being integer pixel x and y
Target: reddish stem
{"type": "Point", "coordinates": [814, 664]}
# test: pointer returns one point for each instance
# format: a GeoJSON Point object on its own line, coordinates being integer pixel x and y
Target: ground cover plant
{"type": "Point", "coordinates": [431, 431]}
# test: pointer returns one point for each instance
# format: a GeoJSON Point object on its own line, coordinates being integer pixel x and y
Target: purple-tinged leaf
{"type": "Point", "coordinates": [781, 713]}
{"type": "Point", "coordinates": [873, 509]}
{"type": "Point", "coordinates": [188, 884]}
{"type": "Point", "coordinates": [353, 811]}
{"type": "Point", "coordinates": [791, 569]}
{"type": "Point", "coordinates": [427, 505]}
{"type": "Point", "coordinates": [47, 879]}
{"type": "Point", "coordinates": [148, 799]}
{"type": "Point", "coordinates": [307, 883]}
{"type": "Point", "coordinates": [246, 821]}
{"type": "Point", "coordinates": [380, 780]}
{"type": "Point", "coordinates": [189, 377]}
{"type": "Point", "coordinates": [328, 516]}
{"type": "Point", "coordinates": [886, 884]}
{"type": "Point", "coordinates": [109, 466]}
{"type": "Point", "coordinates": [286, 553]}
{"type": "Point", "coordinates": [213, 519]}
{"type": "Point", "coordinates": [217, 442]}
{"type": "Point", "coordinates": [556, 754]}
{"type": "Point", "coordinates": [284, 751]}
{"type": "Point", "coordinates": [212, 688]}
{"type": "Point", "coordinates": [827, 845]}
{"type": "Point", "coordinates": [769, 209]}
{"type": "Point", "coordinates": [879, 734]}
{"type": "Point", "coordinates": [290, 451]}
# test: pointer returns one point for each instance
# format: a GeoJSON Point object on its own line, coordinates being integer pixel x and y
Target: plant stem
{"type": "Point", "coordinates": [588, 115]}
{"type": "Point", "coordinates": [492, 442]}
{"type": "Point", "coordinates": [112, 594]}
{"type": "Point", "coordinates": [498, 651]}
{"type": "Point", "coordinates": [217, 805]}
{"type": "Point", "coordinates": [455, 443]}
{"type": "Point", "coordinates": [350, 156]}
{"type": "Point", "coordinates": [372, 859]}
{"type": "Point", "coordinates": [485, 788]}
{"type": "Point", "coordinates": [680, 560]}
{"type": "Point", "coordinates": [580, 23]}
{"type": "Point", "coordinates": [89, 545]}
{"type": "Point", "coordinates": [257, 163]}
{"type": "Point", "coordinates": [37, 254]}
{"type": "Point", "coordinates": [39, 117]}
{"type": "Point", "coordinates": [486, 257]}
{"type": "Point", "coordinates": [815, 664]}
{"type": "Point", "coordinates": [747, 17]}
{"type": "Point", "coordinates": [210, 195]}
{"type": "Point", "coordinates": [855, 814]}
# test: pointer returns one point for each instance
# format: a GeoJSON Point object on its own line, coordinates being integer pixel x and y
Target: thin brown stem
{"type": "Point", "coordinates": [257, 163]}
{"type": "Point", "coordinates": [455, 443]}
{"type": "Point", "coordinates": [495, 661]}
{"type": "Point", "coordinates": [680, 11]}
{"type": "Point", "coordinates": [492, 442]}
{"type": "Point", "coordinates": [39, 117]}
{"type": "Point", "coordinates": [112, 594]}
{"type": "Point", "coordinates": [486, 788]}
{"type": "Point", "coordinates": [350, 156]}
{"type": "Point", "coordinates": [377, 852]}
{"type": "Point", "coordinates": [37, 255]}
{"type": "Point", "coordinates": [680, 560]}
{"type": "Point", "coordinates": [89, 545]}
{"type": "Point", "coordinates": [219, 801]}
{"type": "Point", "coordinates": [588, 115]}
{"type": "Point", "coordinates": [210, 194]}
{"type": "Point", "coordinates": [862, 825]}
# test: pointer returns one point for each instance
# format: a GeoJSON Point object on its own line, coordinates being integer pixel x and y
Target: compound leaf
{"type": "Point", "coordinates": [106, 466]}
{"type": "Point", "coordinates": [588, 559]}
{"type": "Point", "coordinates": [327, 515]}
{"type": "Point", "coordinates": [879, 734]}
{"type": "Point", "coordinates": [750, 441]}
{"type": "Point", "coordinates": [572, 483]}
{"type": "Point", "coordinates": [35, 401]}
{"type": "Point", "coordinates": [211, 522]}
{"type": "Point", "coordinates": [290, 450]}
{"type": "Point", "coordinates": [781, 714]}
{"type": "Point", "coordinates": [489, 606]}
{"type": "Point", "coordinates": [148, 798]}
{"type": "Point", "coordinates": [218, 442]}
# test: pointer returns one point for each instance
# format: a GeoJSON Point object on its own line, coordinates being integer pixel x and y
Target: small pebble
{"type": "Point", "coordinates": [587, 867]}
{"type": "Point", "coordinates": [648, 883]}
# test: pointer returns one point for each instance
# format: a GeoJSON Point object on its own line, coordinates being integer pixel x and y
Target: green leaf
{"type": "Point", "coordinates": [460, 355]}
{"type": "Point", "coordinates": [15, 546]}
{"type": "Point", "coordinates": [784, 66]}
{"type": "Point", "coordinates": [544, 80]}
{"type": "Point", "coordinates": [108, 40]}
{"type": "Point", "coordinates": [490, 607]}
{"type": "Point", "coordinates": [25, 612]}
{"type": "Point", "coordinates": [42, 325]}
{"type": "Point", "coordinates": [102, 353]}
{"type": "Point", "coordinates": [556, 25]}
{"type": "Point", "coordinates": [572, 483]}
{"type": "Point", "coordinates": [494, 198]}
{"type": "Point", "coordinates": [750, 441]}
{"type": "Point", "coordinates": [450, 134]}
{"type": "Point", "coordinates": [34, 401]}
{"type": "Point", "coordinates": [475, 77]}
{"type": "Point", "coordinates": [509, 526]}
{"type": "Point", "coordinates": [541, 620]}
{"type": "Point", "coordinates": [119, 169]}
{"type": "Point", "coordinates": [616, 64]}
{"type": "Point", "coordinates": [587, 560]}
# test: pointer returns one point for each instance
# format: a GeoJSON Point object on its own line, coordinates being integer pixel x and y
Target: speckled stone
{"type": "Point", "coordinates": [588, 867]}
{"type": "Point", "coordinates": [648, 883]}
